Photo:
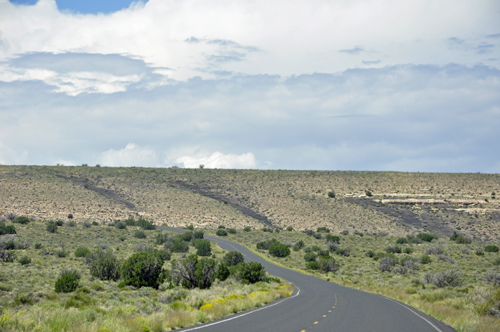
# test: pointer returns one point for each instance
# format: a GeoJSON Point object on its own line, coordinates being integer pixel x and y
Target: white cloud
{"type": "Point", "coordinates": [294, 37]}
{"type": "Point", "coordinates": [219, 160]}
{"type": "Point", "coordinates": [131, 155]}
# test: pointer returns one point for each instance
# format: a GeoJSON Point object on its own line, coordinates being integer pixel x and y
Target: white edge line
{"type": "Point", "coordinates": [244, 314]}
{"type": "Point", "coordinates": [434, 326]}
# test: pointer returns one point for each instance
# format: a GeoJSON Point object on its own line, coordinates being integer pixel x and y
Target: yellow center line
{"type": "Point", "coordinates": [329, 311]}
{"type": "Point", "coordinates": [324, 315]}
{"type": "Point", "coordinates": [315, 322]}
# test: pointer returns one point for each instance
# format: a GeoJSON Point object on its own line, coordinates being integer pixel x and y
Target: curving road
{"type": "Point", "coordinates": [318, 305]}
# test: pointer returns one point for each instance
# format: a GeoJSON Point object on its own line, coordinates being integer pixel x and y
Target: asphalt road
{"type": "Point", "coordinates": [318, 305]}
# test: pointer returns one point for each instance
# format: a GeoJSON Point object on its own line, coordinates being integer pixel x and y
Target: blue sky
{"type": "Point", "coordinates": [349, 85]}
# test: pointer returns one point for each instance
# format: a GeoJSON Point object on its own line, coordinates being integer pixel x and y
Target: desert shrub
{"type": "Point", "coordinates": [279, 250]}
{"type": "Point", "coordinates": [120, 225]}
{"type": "Point", "coordinates": [67, 281]}
{"type": "Point", "coordinates": [399, 269]}
{"type": "Point", "coordinates": [408, 250]}
{"type": "Point", "coordinates": [426, 237]}
{"type": "Point", "coordinates": [82, 252]}
{"type": "Point", "coordinates": [359, 234]}
{"type": "Point", "coordinates": [332, 246]}
{"type": "Point", "coordinates": [11, 216]}
{"type": "Point", "coordinates": [368, 193]}
{"type": "Point", "coordinates": [130, 222]}
{"type": "Point", "coordinates": [386, 264]}
{"type": "Point", "coordinates": [24, 299]}
{"type": "Point", "coordinates": [413, 239]}
{"type": "Point", "coordinates": [231, 231]}
{"type": "Point", "coordinates": [142, 270]}
{"type": "Point", "coordinates": [310, 257]}
{"type": "Point", "coordinates": [144, 224]}
{"type": "Point", "coordinates": [61, 253]}
{"type": "Point", "coordinates": [333, 238]}
{"type": "Point", "coordinates": [317, 236]}
{"type": "Point", "coordinates": [86, 224]}
{"type": "Point", "coordinates": [38, 246]}
{"type": "Point", "coordinates": [312, 265]}
{"type": "Point", "coordinates": [184, 271]}
{"type": "Point", "coordinates": [198, 235]}
{"type": "Point", "coordinates": [190, 227]}
{"type": "Point", "coordinates": [51, 227]}
{"type": "Point", "coordinates": [161, 238]}
{"type": "Point", "coordinates": [103, 264]}
{"type": "Point", "coordinates": [139, 234]}
{"type": "Point", "coordinates": [479, 252]}
{"type": "Point", "coordinates": [402, 240]}
{"type": "Point", "coordinates": [309, 232]}
{"type": "Point", "coordinates": [493, 277]}
{"type": "Point", "coordinates": [322, 230]}
{"type": "Point", "coordinates": [345, 232]}
{"type": "Point", "coordinates": [179, 246]}
{"type": "Point", "coordinates": [299, 245]}
{"type": "Point", "coordinates": [233, 258]}
{"type": "Point", "coordinates": [289, 228]}
{"type": "Point", "coordinates": [6, 256]}
{"type": "Point", "coordinates": [25, 260]}
{"type": "Point", "coordinates": [370, 254]}
{"type": "Point", "coordinates": [247, 229]}
{"type": "Point", "coordinates": [95, 223]}
{"type": "Point", "coordinates": [331, 194]}
{"type": "Point", "coordinates": [410, 263]}
{"type": "Point", "coordinates": [221, 232]}
{"type": "Point", "coordinates": [343, 252]}
{"type": "Point", "coordinates": [222, 272]}
{"type": "Point", "coordinates": [307, 249]}
{"type": "Point", "coordinates": [465, 251]}
{"type": "Point", "coordinates": [203, 248]}
{"type": "Point", "coordinates": [327, 265]}
{"type": "Point", "coordinates": [59, 223]}
{"type": "Point", "coordinates": [205, 270]}
{"type": "Point", "coordinates": [445, 258]}
{"type": "Point", "coordinates": [393, 250]}
{"type": "Point", "coordinates": [451, 278]}
{"type": "Point", "coordinates": [496, 262]}
{"type": "Point", "coordinates": [434, 251]}
{"type": "Point", "coordinates": [71, 223]}
{"type": "Point", "coordinates": [221, 227]}
{"type": "Point", "coordinates": [458, 238]}
{"type": "Point", "coordinates": [315, 248]}
{"type": "Point", "coordinates": [491, 248]}
{"type": "Point", "coordinates": [323, 253]}
{"type": "Point", "coordinates": [425, 259]}
{"type": "Point", "coordinates": [187, 236]}
{"type": "Point", "coordinates": [7, 229]}
{"type": "Point", "coordinates": [22, 220]}
{"type": "Point", "coordinates": [249, 272]}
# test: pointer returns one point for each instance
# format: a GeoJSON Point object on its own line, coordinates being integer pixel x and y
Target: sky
{"type": "Point", "coordinates": [382, 85]}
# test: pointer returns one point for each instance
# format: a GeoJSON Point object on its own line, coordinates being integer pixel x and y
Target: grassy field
{"type": "Point", "coordinates": [459, 284]}
{"type": "Point", "coordinates": [28, 301]}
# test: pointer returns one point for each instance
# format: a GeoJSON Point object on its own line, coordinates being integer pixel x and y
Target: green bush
{"type": "Point", "coordinates": [310, 257]}
{"type": "Point", "coordinates": [67, 281]}
{"type": "Point", "coordinates": [231, 231]}
{"type": "Point", "coordinates": [61, 253]}
{"type": "Point", "coordinates": [327, 265]}
{"type": "Point", "coordinates": [70, 216]}
{"type": "Point", "coordinates": [120, 225]}
{"type": "Point", "coordinates": [139, 234]}
{"type": "Point", "coordinates": [312, 265]}
{"type": "Point", "coordinates": [24, 299]}
{"type": "Point", "coordinates": [198, 235]}
{"type": "Point", "coordinates": [331, 194]}
{"type": "Point", "coordinates": [144, 224]}
{"type": "Point", "coordinates": [491, 248]}
{"type": "Point", "coordinates": [460, 238]}
{"type": "Point", "coordinates": [59, 223]}
{"type": "Point", "coordinates": [323, 230]}
{"type": "Point", "coordinates": [279, 250]}
{"type": "Point", "coordinates": [142, 270]}
{"type": "Point", "coordinates": [103, 264]}
{"type": "Point", "coordinates": [299, 245]}
{"type": "Point", "coordinates": [426, 237]}
{"type": "Point", "coordinates": [233, 258]}
{"type": "Point", "coordinates": [22, 220]}
{"type": "Point", "coordinates": [203, 248]}
{"type": "Point", "coordinates": [25, 260]}
{"type": "Point", "coordinates": [95, 223]}
{"type": "Point", "coordinates": [333, 238]}
{"type": "Point", "coordinates": [38, 246]}
{"type": "Point", "coordinates": [250, 272]}
{"type": "Point", "coordinates": [402, 240]}
{"type": "Point", "coordinates": [179, 246]}
{"type": "Point", "coordinates": [51, 227]}
{"type": "Point", "coordinates": [247, 229]}
{"type": "Point", "coordinates": [221, 232]}
{"type": "Point", "coordinates": [425, 259]}
{"type": "Point", "coordinates": [130, 222]}
{"type": "Point", "coordinates": [205, 270]}
{"type": "Point", "coordinates": [324, 253]}
{"type": "Point", "coordinates": [82, 252]}
{"type": "Point", "coordinates": [4, 229]}
{"type": "Point", "coordinates": [479, 252]}
{"type": "Point", "coordinates": [161, 238]}
{"type": "Point", "coordinates": [190, 227]}
{"type": "Point", "coordinates": [187, 236]}
{"type": "Point", "coordinates": [222, 272]}
{"type": "Point", "coordinates": [221, 227]}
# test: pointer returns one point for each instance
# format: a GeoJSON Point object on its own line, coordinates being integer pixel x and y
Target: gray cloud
{"type": "Point", "coordinates": [372, 62]}
{"type": "Point", "coordinates": [353, 51]}
{"type": "Point", "coordinates": [404, 118]}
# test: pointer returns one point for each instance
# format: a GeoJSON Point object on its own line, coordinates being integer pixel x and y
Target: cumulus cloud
{"type": "Point", "coordinates": [131, 155]}
{"type": "Point", "coordinates": [219, 160]}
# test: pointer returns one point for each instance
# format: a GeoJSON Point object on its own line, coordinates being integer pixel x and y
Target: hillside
{"type": "Point", "coordinates": [400, 203]}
